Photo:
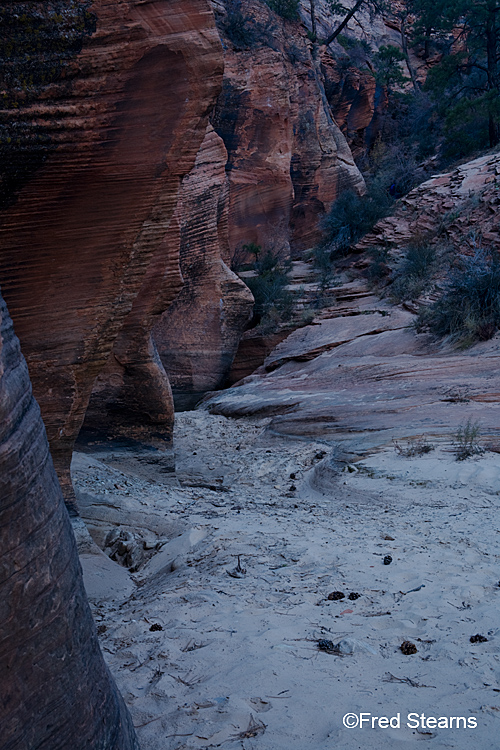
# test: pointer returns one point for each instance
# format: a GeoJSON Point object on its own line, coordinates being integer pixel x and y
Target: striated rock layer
{"type": "Point", "coordinates": [90, 228]}
{"type": "Point", "coordinates": [56, 690]}
{"type": "Point", "coordinates": [447, 208]}
{"type": "Point", "coordinates": [198, 335]}
{"type": "Point", "coordinates": [362, 378]}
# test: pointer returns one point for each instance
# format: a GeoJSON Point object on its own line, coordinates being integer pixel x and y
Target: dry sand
{"type": "Point", "coordinates": [236, 662]}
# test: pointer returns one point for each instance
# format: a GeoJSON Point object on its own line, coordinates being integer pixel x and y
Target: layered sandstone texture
{"type": "Point", "coordinates": [86, 250]}
{"type": "Point", "coordinates": [287, 159]}
{"type": "Point", "coordinates": [360, 378]}
{"type": "Point", "coordinates": [198, 335]}
{"type": "Point", "coordinates": [56, 690]}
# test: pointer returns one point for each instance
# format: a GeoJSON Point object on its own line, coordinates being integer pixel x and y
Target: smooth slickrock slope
{"type": "Point", "coordinates": [362, 378]}
{"type": "Point", "coordinates": [77, 245]}
{"type": "Point", "coordinates": [56, 690]}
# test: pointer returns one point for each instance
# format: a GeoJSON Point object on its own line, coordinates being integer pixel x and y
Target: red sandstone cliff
{"type": "Point", "coordinates": [84, 253]}
{"type": "Point", "coordinates": [56, 690]}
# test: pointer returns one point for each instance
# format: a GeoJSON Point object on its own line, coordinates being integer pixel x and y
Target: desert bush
{"type": "Point", "coordinates": [469, 310]}
{"type": "Point", "coordinates": [413, 275]}
{"type": "Point", "coordinates": [322, 258]}
{"type": "Point", "coordinates": [391, 169]}
{"type": "Point", "coordinates": [413, 448]}
{"type": "Point", "coordinates": [378, 270]}
{"type": "Point", "coordinates": [352, 216]}
{"type": "Point", "coordinates": [465, 443]}
{"type": "Point", "coordinates": [287, 9]}
{"type": "Point", "coordinates": [273, 302]}
{"type": "Point", "coordinates": [239, 27]}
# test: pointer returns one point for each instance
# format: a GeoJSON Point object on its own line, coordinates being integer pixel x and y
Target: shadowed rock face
{"type": "Point", "coordinates": [56, 690]}
{"type": "Point", "coordinates": [89, 229]}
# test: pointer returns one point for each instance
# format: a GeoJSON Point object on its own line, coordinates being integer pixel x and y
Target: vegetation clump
{"type": "Point", "coordinates": [287, 9]}
{"type": "Point", "coordinates": [239, 27]}
{"type": "Point", "coordinates": [351, 216]}
{"type": "Point", "coordinates": [414, 274]}
{"type": "Point", "coordinates": [273, 302]}
{"type": "Point", "coordinates": [413, 448]}
{"type": "Point", "coordinates": [469, 309]}
{"type": "Point", "coordinates": [466, 445]}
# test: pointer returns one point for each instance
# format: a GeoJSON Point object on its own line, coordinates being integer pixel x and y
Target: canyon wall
{"type": "Point", "coordinates": [85, 252]}
{"type": "Point", "coordinates": [56, 690]}
{"type": "Point", "coordinates": [271, 166]}
{"type": "Point", "coordinates": [287, 159]}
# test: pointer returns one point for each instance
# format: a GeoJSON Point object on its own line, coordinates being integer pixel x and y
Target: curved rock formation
{"type": "Point", "coordinates": [198, 335]}
{"type": "Point", "coordinates": [56, 690]}
{"type": "Point", "coordinates": [77, 245]}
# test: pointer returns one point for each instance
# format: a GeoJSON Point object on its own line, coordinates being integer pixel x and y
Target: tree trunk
{"type": "Point", "coordinates": [404, 45]}
{"type": "Point", "coordinates": [428, 32]}
{"type": "Point", "coordinates": [56, 691]}
{"type": "Point", "coordinates": [344, 23]}
{"type": "Point", "coordinates": [492, 66]}
{"type": "Point", "coordinates": [313, 20]}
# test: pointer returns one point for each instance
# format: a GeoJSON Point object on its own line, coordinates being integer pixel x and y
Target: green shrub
{"type": "Point", "coordinates": [287, 9]}
{"type": "Point", "coordinates": [350, 217]}
{"type": "Point", "coordinates": [387, 64]}
{"type": "Point", "coordinates": [465, 444]}
{"type": "Point", "coordinates": [378, 270]}
{"type": "Point", "coordinates": [413, 276]}
{"type": "Point", "coordinates": [238, 27]}
{"type": "Point", "coordinates": [273, 302]}
{"type": "Point", "coordinates": [469, 310]}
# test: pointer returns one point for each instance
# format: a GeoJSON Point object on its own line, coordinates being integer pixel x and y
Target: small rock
{"type": "Point", "coordinates": [335, 596]}
{"type": "Point", "coordinates": [407, 648]}
{"type": "Point", "coordinates": [325, 645]}
{"type": "Point", "coordinates": [478, 638]}
{"type": "Point", "coordinates": [353, 596]}
{"type": "Point", "coordinates": [155, 627]}
{"type": "Point", "coordinates": [292, 488]}
{"type": "Point", "coordinates": [387, 560]}
{"type": "Point", "coordinates": [352, 645]}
